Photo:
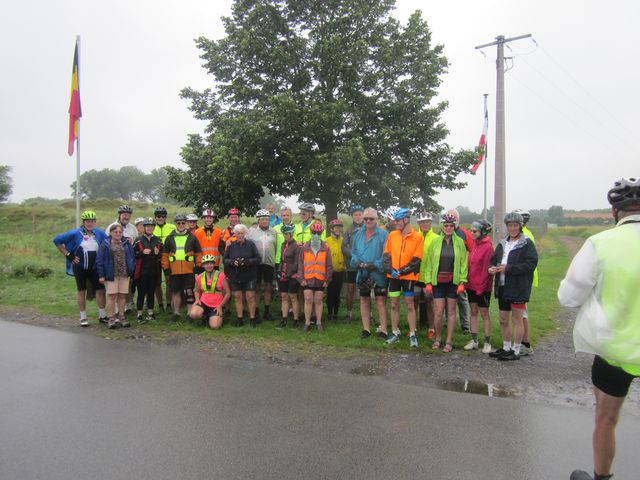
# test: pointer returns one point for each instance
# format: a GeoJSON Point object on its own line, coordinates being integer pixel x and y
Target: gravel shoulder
{"type": "Point", "coordinates": [552, 375]}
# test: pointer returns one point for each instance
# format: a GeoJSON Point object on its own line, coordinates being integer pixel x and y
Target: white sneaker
{"type": "Point", "coordinates": [524, 351]}
{"type": "Point", "coordinates": [472, 345]}
{"type": "Point", "coordinates": [486, 348]}
{"type": "Point", "coordinates": [84, 322]}
{"type": "Point", "coordinates": [413, 341]}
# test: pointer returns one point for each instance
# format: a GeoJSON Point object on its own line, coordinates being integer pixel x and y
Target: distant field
{"type": "Point", "coordinates": [32, 276]}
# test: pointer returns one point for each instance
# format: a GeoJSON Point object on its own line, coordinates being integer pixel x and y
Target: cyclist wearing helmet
{"type": "Point", "coordinates": [212, 293]}
{"type": "Point", "coordinates": [463, 299]}
{"type": "Point", "coordinates": [389, 214]}
{"type": "Point", "coordinates": [80, 247]}
{"type": "Point", "coordinates": [265, 239]}
{"type": "Point", "coordinates": [423, 302]}
{"type": "Point", "coordinates": [357, 213]}
{"type": "Point", "coordinates": [479, 285]}
{"type": "Point", "coordinates": [129, 231]}
{"type": "Point", "coordinates": [180, 256]}
{"type": "Point", "coordinates": [241, 260]}
{"type": "Point", "coordinates": [285, 213]}
{"type": "Point", "coordinates": [139, 223]}
{"type": "Point", "coordinates": [228, 236]}
{"type": "Point", "coordinates": [115, 264]}
{"type": "Point", "coordinates": [314, 273]}
{"type": "Point", "coordinates": [192, 222]}
{"type": "Point", "coordinates": [289, 286]}
{"type": "Point", "coordinates": [526, 346]}
{"type": "Point", "coordinates": [274, 219]}
{"type": "Point", "coordinates": [334, 242]}
{"type": "Point", "coordinates": [148, 251]}
{"type": "Point", "coordinates": [366, 255]}
{"type": "Point", "coordinates": [210, 237]}
{"type": "Point", "coordinates": [402, 257]}
{"type": "Point", "coordinates": [513, 263]}
{"type": "Point", "coordinates": [302, 233]}
{"type": "Point", "coordinates": [603, 281]}
{"type": "Point", "coordinates": [445, 277]}
{"type": "Point", "coordinates": [162, 230]}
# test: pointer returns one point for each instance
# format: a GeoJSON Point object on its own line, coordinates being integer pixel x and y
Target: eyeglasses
{"type": "Point", "coordinates": [369, 219]}
{"type": "Point", "coordinates": [448, 225]}
{"type": "Point", "coordinates": [474, 231]}
{"type": "Point", "coordinates": [181, 223]}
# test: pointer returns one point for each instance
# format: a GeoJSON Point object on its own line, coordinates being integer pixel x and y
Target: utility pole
{"type": "Point", "coordinates": [499, 204]}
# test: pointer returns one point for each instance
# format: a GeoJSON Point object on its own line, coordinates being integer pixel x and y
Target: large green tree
{"type": "Point", "coordinates": [331, 100]}
{"type": "Point", "coordinates": [6, 185]}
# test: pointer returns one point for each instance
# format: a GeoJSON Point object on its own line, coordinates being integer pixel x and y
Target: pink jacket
{"type": "Point", "coordinates": [478, 279]}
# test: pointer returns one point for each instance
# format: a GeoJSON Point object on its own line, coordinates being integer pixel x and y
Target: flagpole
{"type": "Point", "coordinates": [486, 160]}
{"type": "Point", "coordinates": [78, 145]}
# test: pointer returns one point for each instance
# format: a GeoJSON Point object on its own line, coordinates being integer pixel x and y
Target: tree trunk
{"type": "Point", "coordinates": [330, 209]}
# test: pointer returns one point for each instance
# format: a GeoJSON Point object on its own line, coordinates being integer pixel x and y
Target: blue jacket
{"type": "Point", "coordinates": [369, 251]}
{"type": "Point", "coordinates": [104, 261]}
{"type": "Point", "coordinates": [72, 240]}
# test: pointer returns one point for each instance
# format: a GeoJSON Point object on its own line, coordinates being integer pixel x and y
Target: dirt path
{"type": "Point", "coordinates": [552, 375]}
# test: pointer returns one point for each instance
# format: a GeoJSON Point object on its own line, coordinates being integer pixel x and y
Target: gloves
{"type": "Point", "coordinates": [395, 273]}
{"type": "Point", "coordinates": [460, 289]}
{"type": "Point", "coordinates": [404, 270]}
{"type": "Point", "coordinates": [428, 290]}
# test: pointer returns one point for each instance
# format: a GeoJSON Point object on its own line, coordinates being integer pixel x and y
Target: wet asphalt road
{"type": "Point", "coordinates": [80, 407]}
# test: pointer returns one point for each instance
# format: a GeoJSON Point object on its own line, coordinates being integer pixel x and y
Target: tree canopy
{"type": "Point", "coordinates": [333, 101]}
{"type": "Point", "coordinates": [127, 183]}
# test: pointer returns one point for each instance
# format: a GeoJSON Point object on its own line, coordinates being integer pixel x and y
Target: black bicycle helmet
{"type": "Point", "coordinates": [625, 193]}
{"type": "Point", "coordinates": [180, 217]}
{"type": "Point", "coordinates": [160, 211]}
{"type": "Point", "coordinates": [124, 209]}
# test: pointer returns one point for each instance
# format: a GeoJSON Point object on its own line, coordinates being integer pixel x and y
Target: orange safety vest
{"type": "Point", "coordinates": [209, 244]}
{"type": "Point", "coordinates": [315, 266]}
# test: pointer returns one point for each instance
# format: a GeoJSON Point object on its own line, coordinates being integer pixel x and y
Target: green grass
{"type": "Point", "coordinates": [32, 276]}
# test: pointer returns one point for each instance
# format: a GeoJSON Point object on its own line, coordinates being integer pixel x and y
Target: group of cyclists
{"type": "Point", "coordinates": [380, 256]}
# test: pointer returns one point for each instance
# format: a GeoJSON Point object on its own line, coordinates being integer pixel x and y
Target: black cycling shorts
{"type": "Point", "coordinates": [82, 276]}
{"type": "Point", "coordinates": [483, 300]}
{"type": "Point", "coordinates": [377, 291]}
{"type": "Point", "coordinates": [399, 286]}
{"type": "Point", "coordinates": [611, 380]}
{"type": "Point", "coordinates": [265, 273]}
{"type": "Point", "coordinates": [179, 283]}
{"type": "Point", "coordinates": [289, 286]}
{"type": "Point", "coordinates": [246, 286]}
{"type": "Point", "coordinates": [314, 289]}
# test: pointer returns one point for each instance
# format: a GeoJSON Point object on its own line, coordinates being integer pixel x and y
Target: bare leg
{"type": "Point", "coordinates": [484, 313]}
{"type": "Point", "coordinates": [604, 435]}
{"type": "Point", "coordinates": [317, 301]}
{"type": "Point", "coordinates": [284, 304]}
{"type": "Point", "coordinates": [439, 311]}
{"type": "Point", "coordinates": [122, 300]}
{"type": "Point", "coordinates": [430, 312]}
{"type": "Point", "coordinates": [237, 299]}
{"type": "Point", "coordinates": [411, 313]}
{"type": "Point", "coordinates": [365, 312]}
{"type": "Point", "coordinates": [505, 326]}
{"type": "Point", "coordinates": [351, 295]}
{"type": "Point", "coordinates": [81, 299]}
{"type": "Point", "coordinates": [251, 303]}
{"type": "Point", "coordinates": [176, 300]}
{"type": "Point", "coordinates": [308, 306]}
{"type": "Point", "coordinates": [474, 317]}
{"type": "Point", "coordinates": [295, 306]}
{"type": "Point", "coordinates": [111, 304]}
{"type": "Point", "coordinates": [395, 313]}
{"type": "Point", "coordinates": [101, 298]}
{"type": "Point", "coordinates": [382, 312]}
{"type": "Point", "coordinates": [451, 318]}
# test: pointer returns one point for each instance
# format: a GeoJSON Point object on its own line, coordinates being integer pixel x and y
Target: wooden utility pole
{"type": "Point", "coordinates": [499, 204]}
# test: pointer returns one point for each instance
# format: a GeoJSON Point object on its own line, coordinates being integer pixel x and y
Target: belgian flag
{"type": "Point", "coordinates": [75, 112]}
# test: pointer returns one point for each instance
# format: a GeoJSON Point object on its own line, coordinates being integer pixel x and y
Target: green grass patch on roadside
{"type": "Point", "coordinates": [32, 276]}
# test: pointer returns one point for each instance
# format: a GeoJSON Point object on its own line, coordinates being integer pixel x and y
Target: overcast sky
{"type": "Point", "coordinates": [571, 100]}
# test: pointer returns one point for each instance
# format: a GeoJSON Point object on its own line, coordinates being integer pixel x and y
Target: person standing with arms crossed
{"type": "Point", "coordinates": [603, 281]}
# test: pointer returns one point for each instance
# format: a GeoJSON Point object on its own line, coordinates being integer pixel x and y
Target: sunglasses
{"type": "Point", "coordinates": [369, 219]}
{"type": "Point", "coordinates": [181, 223]}
{"type": "Point", "coordinates": [161, 216]}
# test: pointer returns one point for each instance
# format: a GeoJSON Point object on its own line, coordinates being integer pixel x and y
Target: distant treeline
{"type": "Point", "coordinates": [128, 183]}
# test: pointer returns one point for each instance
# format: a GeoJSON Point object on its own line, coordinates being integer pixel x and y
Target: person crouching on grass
{"type": "Point", "coordinates": [314, 272]}
{"type": "Point", "coordinates": [115, 264]}
{"type": "Point", "coordinates": [212, 293]}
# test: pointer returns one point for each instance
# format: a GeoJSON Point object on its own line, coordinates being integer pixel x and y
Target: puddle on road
{"type": "Point", "coordinates": [477, 388]}
{"type": "Point", "coordinates": [368, 370]}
